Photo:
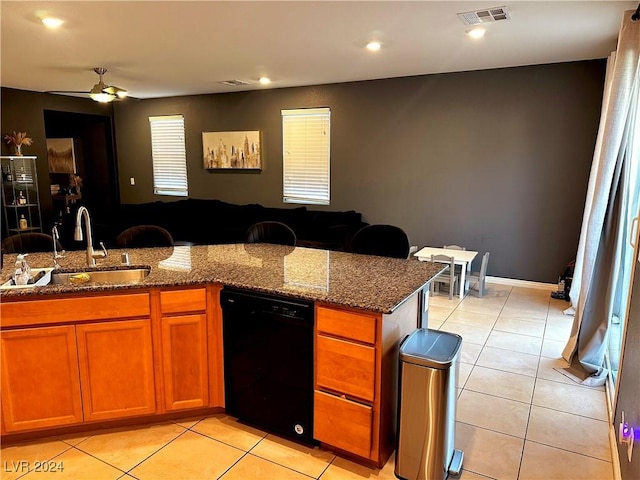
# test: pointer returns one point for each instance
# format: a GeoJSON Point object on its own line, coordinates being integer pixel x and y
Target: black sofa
{"type": "Point", "coordinates": [206, 222]}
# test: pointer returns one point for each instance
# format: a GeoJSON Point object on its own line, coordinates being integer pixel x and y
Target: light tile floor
{"type": "Point", "coordinates": [517, 417]}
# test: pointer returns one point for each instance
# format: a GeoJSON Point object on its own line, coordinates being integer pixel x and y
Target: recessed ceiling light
{"type": "Point", "coordinates": [374, 46]}
{"type": "Point", "coordinates": [52, 22]}
{"type": "Point", "coordinates": [265, 80]}
{"type": "Point", "coordinates": [476, 32]}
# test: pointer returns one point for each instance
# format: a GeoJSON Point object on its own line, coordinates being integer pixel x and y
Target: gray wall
{"type": "Point", "coordinates": [497, 160]}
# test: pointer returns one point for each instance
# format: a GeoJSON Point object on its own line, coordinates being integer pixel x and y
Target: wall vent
{"type": "Point", "coordinates": [484, 16]}
{"type": "Point", "coordinates": [234, 83]}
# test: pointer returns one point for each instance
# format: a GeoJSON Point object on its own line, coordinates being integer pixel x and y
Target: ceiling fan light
{"type": "Point", "coordinates": [98, 94]}
{"type": "Point", "coordinates": [102, 97]}
{"type": "Point", "coordinates": [374, 46]}
{"type": "Point", "coordinates": [51, 22]}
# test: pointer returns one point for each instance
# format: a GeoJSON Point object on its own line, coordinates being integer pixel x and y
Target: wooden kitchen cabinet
{"type": "Point", "coordinates": [40, 380]}
{"type": "Point", "coordinates": [345, 379]}
{"type": "Point", "coordinates": [356, 365]}
{"type": "Point", "coordinates": [184, 349]}
{"type": "Point", "coordinates": [110, 357]}
{"type": "Point", "coordinates": [116, 369]}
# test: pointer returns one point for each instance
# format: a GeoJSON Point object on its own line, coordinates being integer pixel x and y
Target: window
{"type": "Point", "coordinates": [305, 146]}
{"type": "Point", "coordinates": [169, 155]}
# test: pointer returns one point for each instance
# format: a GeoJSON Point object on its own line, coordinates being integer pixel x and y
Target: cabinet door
{"type": "Point", "coordinates": [116, 369]}
{"type": "Point", "coordinates": [343, 424]}
{"type": "Point", "coordinates": [184, 358]}
{"type": "Point", "coordinates": [40, 380]}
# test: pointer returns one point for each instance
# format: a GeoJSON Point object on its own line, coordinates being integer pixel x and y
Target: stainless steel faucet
{"type": "Point", "coordinates": [56, 255]}
{"type": "Point", "coordinates": [91, 254]}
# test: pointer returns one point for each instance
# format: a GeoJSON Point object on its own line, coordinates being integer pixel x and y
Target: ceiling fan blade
{"type": "Point", "coordinates": [67, 91]}
{"type": "Point", "coordinates": [100, 92]}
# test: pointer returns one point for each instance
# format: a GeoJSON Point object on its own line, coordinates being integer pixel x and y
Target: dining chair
{"type": "Point", "coordinates": [479, 277]}
{"type": "Point", "coordinates": [456, 247]}
{"type": "Point", "coordinates": [29, 242]}
{"type": "Point", "coordinates": [382, 240]}
{"type": "Point", "coordinates": [449, 277]}
{"type": "Point", "coordinates": [270, 232]}
{"type": "Point", "coordinates": [141, 236]}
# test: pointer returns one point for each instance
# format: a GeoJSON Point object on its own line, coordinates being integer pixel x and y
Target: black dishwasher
{"type": "Point", "coordinates": [268, 361]}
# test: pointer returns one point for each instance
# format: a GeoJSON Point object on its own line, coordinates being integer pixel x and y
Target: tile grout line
{"type": "Point", "coordinates": [123, 472]}
{"type": "Point", "coordinates": [285, 466]}
{"type": "Point", "coordinates": [568, 451]}
{"type": "Point", "coordinates": [533, 392]}
{"type": "Point", "coordinates": [156, 451]}
{"type": "Point", "coordinates": [232, 465]}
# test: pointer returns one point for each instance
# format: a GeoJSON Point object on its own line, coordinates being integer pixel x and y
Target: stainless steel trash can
{"type": "Point", "coordinates": [429, 365]}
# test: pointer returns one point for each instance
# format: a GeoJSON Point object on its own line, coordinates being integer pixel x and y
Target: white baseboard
{"type": "Point", "coordinates": [522, 283]}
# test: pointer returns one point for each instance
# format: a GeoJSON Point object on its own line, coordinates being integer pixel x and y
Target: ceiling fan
{"type": "Point", "coordinates": [100, 92]}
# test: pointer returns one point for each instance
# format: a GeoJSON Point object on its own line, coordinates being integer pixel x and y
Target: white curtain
{"type": "Point", "coordinates": [606, 216]}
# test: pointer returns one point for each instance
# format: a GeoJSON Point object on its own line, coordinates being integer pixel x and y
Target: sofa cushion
{"type": "Point", "coordinates": [204, 221]}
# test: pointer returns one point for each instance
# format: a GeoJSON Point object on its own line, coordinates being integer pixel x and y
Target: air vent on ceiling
{"type": "Point", "coordinates": [234, 83]}
{"type": "Point", "coordinates": [484, 16]}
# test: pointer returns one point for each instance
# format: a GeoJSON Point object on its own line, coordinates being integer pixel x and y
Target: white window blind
{"type": "Point", "coordinates": [169, 155]}
{"type": "Point", "coordinates": [305, 145]}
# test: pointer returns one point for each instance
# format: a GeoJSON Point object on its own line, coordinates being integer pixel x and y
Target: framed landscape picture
{"type": "Point", "coordinates": [232, 150]}
{"type": "Point", "coordinates": [61, 155]}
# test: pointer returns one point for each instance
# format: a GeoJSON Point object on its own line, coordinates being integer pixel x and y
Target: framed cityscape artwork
{"type": "Point", "coordinates": [232, 150]}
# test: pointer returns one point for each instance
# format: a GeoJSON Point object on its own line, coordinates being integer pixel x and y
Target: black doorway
{"type": "Point", "coordinates": [95, 163]}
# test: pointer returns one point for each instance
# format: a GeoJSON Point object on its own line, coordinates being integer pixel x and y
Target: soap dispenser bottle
{"type": "Point", "coordinates": [23, 271]}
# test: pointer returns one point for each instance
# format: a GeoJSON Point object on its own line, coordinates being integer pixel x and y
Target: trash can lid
{"type": "Point", "coordinates": [431, 348]}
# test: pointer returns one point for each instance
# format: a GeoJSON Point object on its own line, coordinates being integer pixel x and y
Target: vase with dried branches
{"type": "Point", "coordinates": [17, 140]}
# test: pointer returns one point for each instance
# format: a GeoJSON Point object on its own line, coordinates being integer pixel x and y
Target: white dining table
{"type": "Point", "coordinates": [461, 257]}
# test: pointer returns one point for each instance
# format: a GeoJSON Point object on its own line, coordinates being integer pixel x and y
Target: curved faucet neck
{"type": "Point", "coordinates": [83, 212]}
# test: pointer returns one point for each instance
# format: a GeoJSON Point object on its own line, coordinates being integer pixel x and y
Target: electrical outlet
{"type": "Point", "coordinates": [627, 435]}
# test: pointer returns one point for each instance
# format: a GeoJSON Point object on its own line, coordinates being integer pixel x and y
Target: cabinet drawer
{"type": "Point", "coordinates": [178, 301]}
{"type": "Point", "coordinates": [342, 423]}
{"type": "Point", "coordinates": [67, 310]}
{"type": "Point", "coordinates": [351, 325]}
{"type": "Point", "coordinates": [345, 367]}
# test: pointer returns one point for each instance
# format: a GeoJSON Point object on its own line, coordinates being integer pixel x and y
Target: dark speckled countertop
{"type": "Point", "coordinates": [372, 283]}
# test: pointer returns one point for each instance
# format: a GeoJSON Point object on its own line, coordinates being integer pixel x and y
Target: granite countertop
{"type": "Point", "coordinates": [372, 283]}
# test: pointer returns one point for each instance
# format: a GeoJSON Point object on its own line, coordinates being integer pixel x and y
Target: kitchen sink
{"type": "Point", "coordinates": [129, 275]}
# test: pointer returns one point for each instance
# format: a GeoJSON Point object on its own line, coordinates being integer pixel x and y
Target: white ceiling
{"type": "Point", "coordinates": [167, 48]}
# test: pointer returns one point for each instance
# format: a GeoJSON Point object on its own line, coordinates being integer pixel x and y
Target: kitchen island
{"type": "Point", "coordinates": [84, 356]}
